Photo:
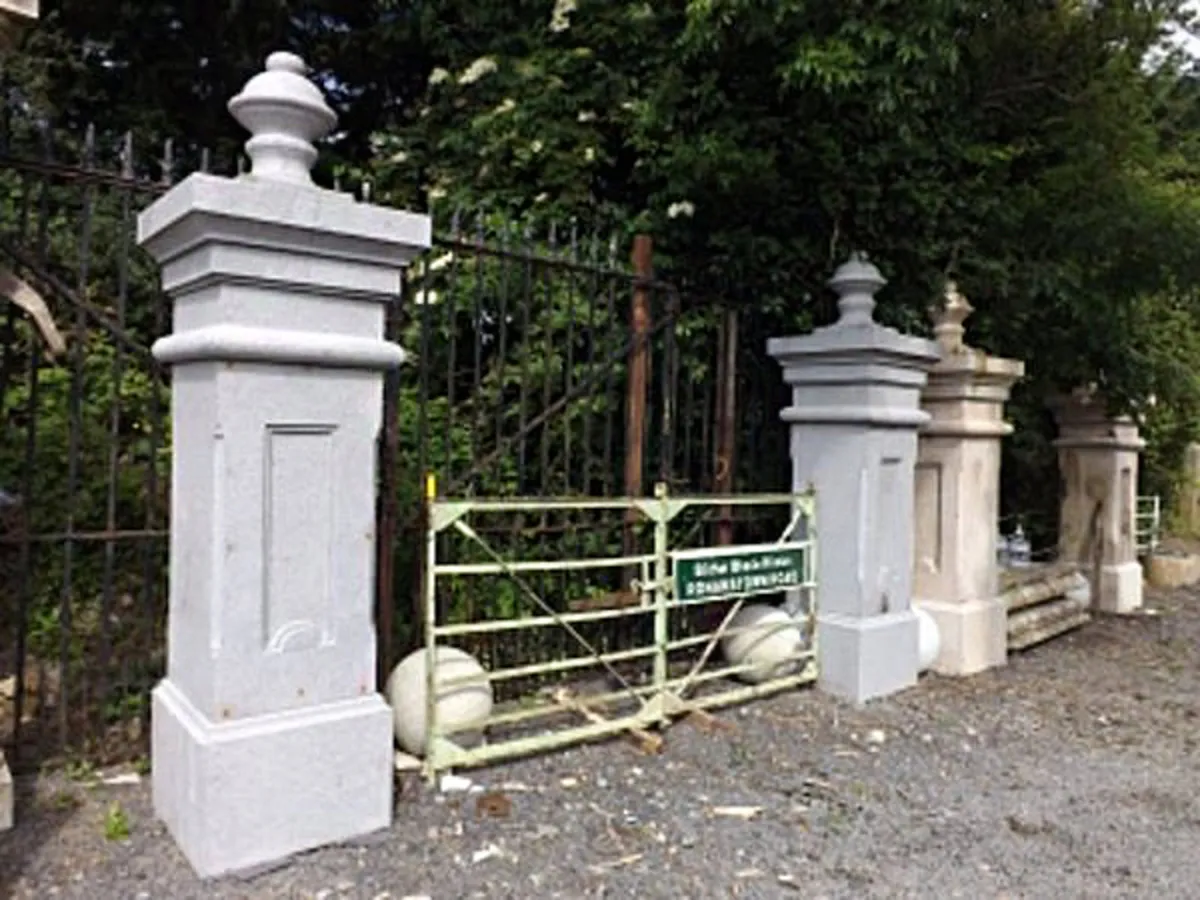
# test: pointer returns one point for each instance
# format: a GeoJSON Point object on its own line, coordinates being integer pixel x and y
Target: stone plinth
{"type": "Point", "coordinates": [854, 419]}
{"type": "Point", "coordinates": [268, 736]}
{"type": "Point", "coordinates": [958, 496]}
{"type": "Point", "coordinates": [1170, 570]}
{"type": "Point", "coordinates": [1098, 460]}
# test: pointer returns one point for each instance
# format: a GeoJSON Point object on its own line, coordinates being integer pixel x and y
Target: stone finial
{"type": "Point", "coordinates": [948, 317]}
{"type": "Point", "coordinates": [284, 113]}
{"type": "Point", "coordinates": [856, 282]}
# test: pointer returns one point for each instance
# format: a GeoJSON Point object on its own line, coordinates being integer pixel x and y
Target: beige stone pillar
{"type": "Point", "coordinates": [957, 496]}
{"type": "Point", "coordinates": [1098, 460]}
{"type": "Point", "coordinates": [1186, 512]}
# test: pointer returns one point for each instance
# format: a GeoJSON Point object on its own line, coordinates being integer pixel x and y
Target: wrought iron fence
{"type": "Point", "coordinates": [543, 362]}
{"type": "Point", "coordinates": [84, 452]}
{"type": "Point", "coordinates": [551, 367]}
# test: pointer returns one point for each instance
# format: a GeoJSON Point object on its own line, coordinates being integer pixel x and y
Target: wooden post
{"type": "Point", "coordinates": [639, 368]}
{"type": "Point", "coordinates": [726, 416]}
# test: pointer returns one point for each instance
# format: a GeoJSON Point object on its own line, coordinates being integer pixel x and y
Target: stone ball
{"type": "Point", "coordinates": [1080, 590]}
{"type": "Point", "coordinates": [463, 705]}
{"type": "Point", "coordinates": [929, 640]}
{"type": "Point", "coordinates": [771, 646]}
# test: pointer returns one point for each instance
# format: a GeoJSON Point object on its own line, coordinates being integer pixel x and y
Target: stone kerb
{"type": "Point", "coordinates": [268, 736]}
{"type": "Point", "coordinates": [1098, 460]}
{"type": "Point", "coordinates": [957, 495]}
{"type": "Point", "coordinates": [853, 419]}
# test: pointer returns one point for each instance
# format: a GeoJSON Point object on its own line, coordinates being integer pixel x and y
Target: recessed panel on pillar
{"type": "Point", "coordinates": [929, 498]}
{"type": "Point", "coordinates": [298, 526]}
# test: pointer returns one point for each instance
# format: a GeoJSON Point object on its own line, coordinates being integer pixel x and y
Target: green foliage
{"type": "Point", "coordinates": [89, 470]}
{"type": "Point", "coordinates": [1026, 149]}
{"type": "Point", "coordinates": [116, 823]}
{"type": "Point", "coordinates": [1166, 363]}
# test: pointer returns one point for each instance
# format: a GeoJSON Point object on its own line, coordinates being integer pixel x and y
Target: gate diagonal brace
{"type": "Point", "coordinates": [667, 704]}
{"type": "Point", "coordinates": [467, 531]}
{"type": "Point", "coordinates": [798, 515]}
{"type": "Point", "coordinates": [649, 742]}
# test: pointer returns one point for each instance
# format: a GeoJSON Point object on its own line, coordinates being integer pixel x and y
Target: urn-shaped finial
{"type": "Point", "coordinates": [856, 282]}
{"type": "Point", "coordinates": [948, 317]}
{"type": "Point", "coordinates": [284, 113]}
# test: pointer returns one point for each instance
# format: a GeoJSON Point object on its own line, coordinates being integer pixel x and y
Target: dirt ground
{"type": "Point", "coordinates": [1071, 773]}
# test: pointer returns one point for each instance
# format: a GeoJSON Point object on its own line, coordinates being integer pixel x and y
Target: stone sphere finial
{"type": "Point", "coordinates": [948, 317]}
{"type": "Point", "coordinates": [284, 113]}
{"type": "Point", "coordinates": [856, 282]}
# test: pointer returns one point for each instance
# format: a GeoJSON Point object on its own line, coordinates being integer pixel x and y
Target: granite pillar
{"type": "Point", "coordinates": [268, 736]}
{"type": "Point", "coordinates": [854, 419]}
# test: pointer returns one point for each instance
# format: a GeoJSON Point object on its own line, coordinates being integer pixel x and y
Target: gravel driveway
{"type": "Point", "coordinates": [1071, 773]}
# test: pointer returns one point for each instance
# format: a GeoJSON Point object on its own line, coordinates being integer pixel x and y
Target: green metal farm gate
{"type": "Point", "coordinates": [573, 658]}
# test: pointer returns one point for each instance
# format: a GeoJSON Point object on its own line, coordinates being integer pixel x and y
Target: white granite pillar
{"type": "Point", "coordinates": [268, 735]}
{"type": "Point", "coordinates": [854, 419]}
{"type": "Point", "coordinates": [955, 577]}
{"type": "Point", "coordinates": [1098, 460]}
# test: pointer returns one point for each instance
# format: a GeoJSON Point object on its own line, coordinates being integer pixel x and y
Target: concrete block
{"type": "Point", "coordinates": [1170, 571]}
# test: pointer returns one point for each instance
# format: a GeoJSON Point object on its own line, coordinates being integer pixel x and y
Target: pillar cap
{"type": "Point", "coordinates": [1084, 422]}
{"type": "Point", "coordinates": [963, 366]}
{"type": "Point", "coordinates": [855, 338]}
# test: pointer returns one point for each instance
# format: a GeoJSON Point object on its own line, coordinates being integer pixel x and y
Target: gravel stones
{"type": "Point", "coordinates": [1068, 773]}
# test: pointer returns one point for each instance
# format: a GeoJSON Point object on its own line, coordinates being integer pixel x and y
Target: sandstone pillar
{"type": "Point", "coordinates": [1098, 460]}
{"type": "Point", "coordinates": [955, 576]}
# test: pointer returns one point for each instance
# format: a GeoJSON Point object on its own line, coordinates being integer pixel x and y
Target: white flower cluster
{"type": "Point", "coordinates": [485, 65]}
{"type": "Point", "coordinates": [560, 18]}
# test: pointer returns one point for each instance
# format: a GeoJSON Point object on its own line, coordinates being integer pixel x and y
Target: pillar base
{"type": "Point", "coordinates": [862, 659]}
{"type": "Point", "coordinates": [974, 635]}
{"type": "Point", "coordinates": [1120, 588]}
{"type": "Point", "coordinates": [247, 793]}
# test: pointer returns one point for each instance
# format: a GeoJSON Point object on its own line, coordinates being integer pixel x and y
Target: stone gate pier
{"type": "Point", "coordinates": [955, 573]}
{"type": "Point", "coordinates": [854, 416]}
{"type": "Point", "coordinates": [1098, 456]}
{"type": "Point", "coordinates": [268, 736]}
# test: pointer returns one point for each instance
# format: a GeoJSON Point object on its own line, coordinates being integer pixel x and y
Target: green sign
{"type": "Point", "coordinates": [717, 574]}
